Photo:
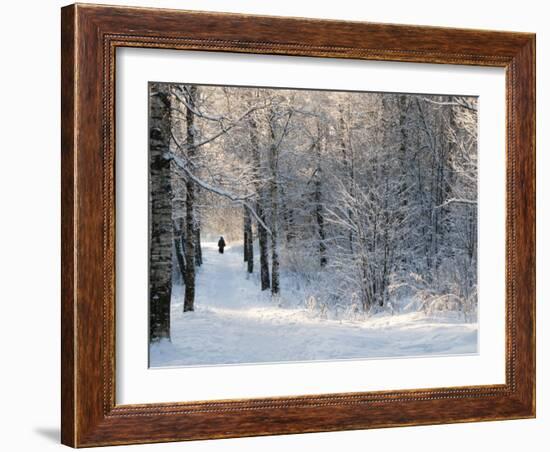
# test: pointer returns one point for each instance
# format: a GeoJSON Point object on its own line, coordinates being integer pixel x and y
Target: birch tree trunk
{"type": "Point", "coordinates": [178, 246]}
{"type": "Point", "coordinates": [288, 216]}
{"type": "Point", "coordinates": [190, 235]}
{"type": "Point", "coordinates": [263, 244]}
{"type": "Point", "coordinates": [197, 224]}
{"type": "Point", "coordinates": [262, 233]}
{"type": "Point", "coordinates": [318, 197]}
{"type": "Point", "coordinates": [274, 197]}
{"type": "Point", "coordinates": [248, 242]}
{"type": "Point", "coordinates": [160, 215]}
{"type": "Point", "coordinates": [198, 248]}
{"type": "Point", "coordinates": [347, 161]}
{"type": "Point", "coordinates": [245, 235]}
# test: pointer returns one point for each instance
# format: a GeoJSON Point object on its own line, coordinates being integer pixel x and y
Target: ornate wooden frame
{"type": "Point", "coordinates": [90, 35]}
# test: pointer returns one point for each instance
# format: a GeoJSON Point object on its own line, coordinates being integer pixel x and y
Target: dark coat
{"type": "Point", "coordinates": [221, 243]}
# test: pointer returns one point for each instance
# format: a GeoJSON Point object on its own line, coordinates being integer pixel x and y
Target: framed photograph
{"type": "Point", "coordinates": [280, 225]}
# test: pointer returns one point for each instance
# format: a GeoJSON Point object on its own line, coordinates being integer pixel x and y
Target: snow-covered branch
{"type": "Point", "coordinates": [223, 131]}
{"type": "Point", "coordinates": [455, 103]}
{"type": "Point", "coordinates": [456, 201]}
{"type": "Point", "coordinates": [243, 200]}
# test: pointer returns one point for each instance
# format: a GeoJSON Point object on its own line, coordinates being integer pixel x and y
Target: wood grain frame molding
{"type": "Point", "coordinates": [90, 36]}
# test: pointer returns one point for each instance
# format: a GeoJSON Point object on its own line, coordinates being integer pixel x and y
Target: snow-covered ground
{"type": "Point", "coordinates": [234, 322]}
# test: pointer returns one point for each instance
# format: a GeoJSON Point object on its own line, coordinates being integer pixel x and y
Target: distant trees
{"type": "Point", "coordinates": [375, 191]}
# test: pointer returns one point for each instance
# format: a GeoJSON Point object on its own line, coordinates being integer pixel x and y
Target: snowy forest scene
{"type": "Point", "coordinates": [310, 225]}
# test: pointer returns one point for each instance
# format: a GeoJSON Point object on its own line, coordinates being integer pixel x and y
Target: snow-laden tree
{"type": "Point", "coordinates": [363, 200]}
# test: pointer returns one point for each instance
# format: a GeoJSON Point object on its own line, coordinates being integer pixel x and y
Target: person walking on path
{"type": "Point", "coordinates": [221, 244]}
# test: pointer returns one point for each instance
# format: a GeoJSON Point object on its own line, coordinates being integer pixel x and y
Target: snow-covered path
{"type": "Point", "coordinates": [234, 322]}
